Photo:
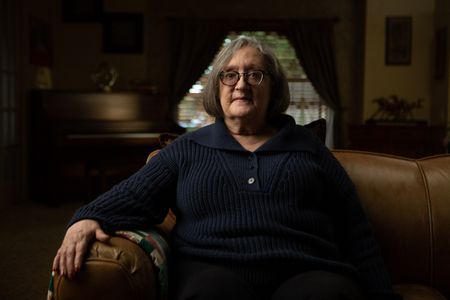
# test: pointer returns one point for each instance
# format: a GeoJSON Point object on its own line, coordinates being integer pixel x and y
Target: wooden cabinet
{"type": "Point", "coordinates": [81, 143]}
{"type": "Point", "coordinates": [413, 141]}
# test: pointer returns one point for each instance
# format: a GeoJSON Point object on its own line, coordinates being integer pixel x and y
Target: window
{"type": "Point", "coordinates": [9, 153]}
{"type": "Point", "coordinates": [306, 105]}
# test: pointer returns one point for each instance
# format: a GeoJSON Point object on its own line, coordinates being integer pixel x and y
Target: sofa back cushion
{"type": "Point", "coordinates": [408, 203]}
{"type": "Point", "coordinates": [436, 172]}
{"type": "Point", "coordinates": [394, 195]}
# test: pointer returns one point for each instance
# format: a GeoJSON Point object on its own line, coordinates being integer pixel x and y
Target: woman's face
{"type": "Point", "coordinates": [243, 100]}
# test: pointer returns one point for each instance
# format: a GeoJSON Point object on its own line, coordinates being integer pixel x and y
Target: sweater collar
{"type": "Point", "coordinates": [290, 137]}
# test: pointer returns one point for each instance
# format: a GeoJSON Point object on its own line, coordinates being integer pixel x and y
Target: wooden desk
{"type": "Point", "coordinates": [81, 143]}
{"type": "Point", "coordinates": [403, 140]}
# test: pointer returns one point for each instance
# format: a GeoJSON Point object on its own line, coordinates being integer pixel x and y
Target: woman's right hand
{"type": "Point", "coordinates": [70, 255]}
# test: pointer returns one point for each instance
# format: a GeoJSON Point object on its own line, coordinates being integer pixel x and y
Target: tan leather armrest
{"type": "Point", "coordinates": [119, 269]}
{"type": "Point", "coordinates": [417, 292]}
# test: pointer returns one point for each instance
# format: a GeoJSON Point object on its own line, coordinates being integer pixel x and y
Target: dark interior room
{"type": "Point", "coordinates": [88, 87]}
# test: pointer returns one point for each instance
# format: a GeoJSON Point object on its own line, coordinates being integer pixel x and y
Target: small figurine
{"type": "Point", "coordinates": [104, 76]}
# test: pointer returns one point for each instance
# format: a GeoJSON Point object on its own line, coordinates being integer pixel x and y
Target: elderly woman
{"type": "Point", "coordinates": [264, 211]}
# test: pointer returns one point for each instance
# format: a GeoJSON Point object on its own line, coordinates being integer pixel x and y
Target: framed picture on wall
{"type": "Point", "coordinates": [82, 10]}
{"type": "Point", "coordinates": [123, 33]}
{"type": "Point", "coordinates": [398, 40]}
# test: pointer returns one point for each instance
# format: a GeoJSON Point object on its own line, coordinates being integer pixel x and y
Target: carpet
{"type": "Point", "coordinates": [31, 234]}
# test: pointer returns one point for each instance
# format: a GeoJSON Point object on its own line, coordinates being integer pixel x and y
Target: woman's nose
{"type": "Point", "coordinates": [241, 83]}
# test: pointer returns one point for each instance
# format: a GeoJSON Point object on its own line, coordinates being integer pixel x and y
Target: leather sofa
{"type": "Point", "coordinates": [407, 202]}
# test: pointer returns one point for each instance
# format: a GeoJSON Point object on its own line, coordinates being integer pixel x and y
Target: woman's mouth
{"type": "Point", "coordinates": [243, 98]}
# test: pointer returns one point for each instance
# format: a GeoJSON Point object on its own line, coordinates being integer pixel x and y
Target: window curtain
{"type": "Point", "coordinates": [193, 47]}
{"type": "Point", "coordinates": [314, 45]}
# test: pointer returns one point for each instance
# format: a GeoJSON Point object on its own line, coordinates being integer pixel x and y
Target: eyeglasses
{"type": "Point", "coordinates": [251, 77]}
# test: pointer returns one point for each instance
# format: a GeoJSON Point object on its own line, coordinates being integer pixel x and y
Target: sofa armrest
{"type": "Point", "coordinates": [119, 269]}
{"type": "Point", "coordinates": [417, 292]}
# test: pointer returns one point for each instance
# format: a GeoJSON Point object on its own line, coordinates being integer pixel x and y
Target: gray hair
{"type": "Point", "coordinates": [279, 98]}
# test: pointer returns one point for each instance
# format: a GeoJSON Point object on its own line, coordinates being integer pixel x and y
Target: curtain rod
{"type": "Point", "coordinates": [243, 20]}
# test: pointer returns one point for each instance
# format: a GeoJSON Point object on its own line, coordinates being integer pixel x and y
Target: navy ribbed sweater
{"type": "Point", "coordinates": [288, 201]}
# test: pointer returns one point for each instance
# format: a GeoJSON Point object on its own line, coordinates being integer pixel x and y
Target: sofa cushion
{"type": "Point", "coordinates": [394, 197]}
{"type": "Point", "coordinates": [417, 292]}
{"type": "Point", "coordinates": [436, 171]}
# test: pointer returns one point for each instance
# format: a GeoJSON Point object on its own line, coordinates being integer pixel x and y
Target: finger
{"type": "Point", "coordinates": [62, 264]}
{"type": "Point", "coordinates": [101, 235]}
{"type": "Point", "coordinates": [79, 257]}
{"type": "Point", "coordinates": [55, 265]}
{"type": "Point", "coordinates": [70, 254]}
{"type": "Point", "coordinates": [80, 250]}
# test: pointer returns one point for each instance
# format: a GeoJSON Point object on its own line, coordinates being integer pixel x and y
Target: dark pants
{"type": "Point", "coordinates": [198, 280]}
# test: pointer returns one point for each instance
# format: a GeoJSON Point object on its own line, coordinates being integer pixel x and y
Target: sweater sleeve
{"type": "Point", "coordinates": [353, 231]}
{"type": "Point", "coordinates": [138, 202]}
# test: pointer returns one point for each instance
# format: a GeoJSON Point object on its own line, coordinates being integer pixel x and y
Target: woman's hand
{"type": "Point", "coordinates": [70, 255]}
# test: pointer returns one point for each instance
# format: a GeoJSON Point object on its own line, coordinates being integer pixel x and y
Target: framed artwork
{"type": "Point", "coordinates": [398, 40]}
{"type": "Point", "coordinates": [123, 33]}
{"type": "Point", "coordinates": [440, 53]}
{"type": "Point", "coordinates": [82, 10]}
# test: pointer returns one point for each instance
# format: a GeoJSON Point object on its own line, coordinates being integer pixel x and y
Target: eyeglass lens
{"type": "Point", "coordinates": [251, 77]}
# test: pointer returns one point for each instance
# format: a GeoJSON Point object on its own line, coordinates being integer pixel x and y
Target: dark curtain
{"type": "Point", "coordinates": [193, 47]}
{"type": "Point", "coordinates": [314, 45]}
